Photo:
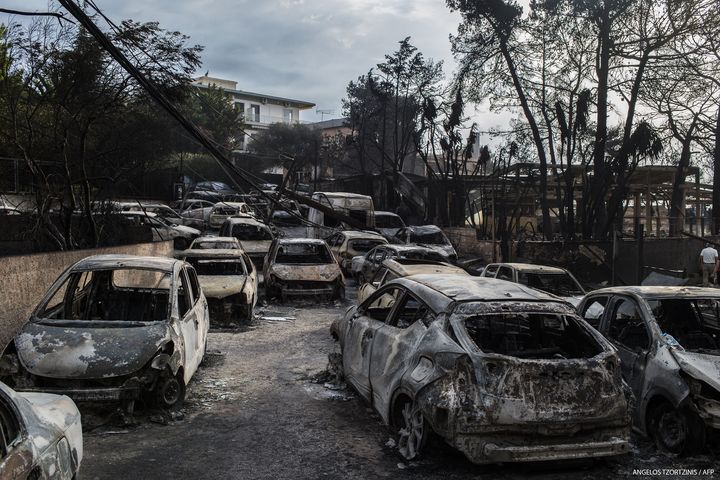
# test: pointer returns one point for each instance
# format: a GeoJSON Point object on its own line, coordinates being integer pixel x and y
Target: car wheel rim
{"type": "Point", "coordinates": [411, 434]}
{"type": "Point", "coordinates": [672, 431]}
{"type": "Point", "coordinates": [171, 391]}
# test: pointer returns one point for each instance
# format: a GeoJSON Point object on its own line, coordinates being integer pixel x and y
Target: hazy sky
{"type": "Point", "coordinates": [302, 49]}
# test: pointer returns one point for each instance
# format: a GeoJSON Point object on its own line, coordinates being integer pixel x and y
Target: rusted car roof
{"type": "Point", "coordinates": [529, 267]}
{"type": "Point", "coordinates": [353, 234]}
{"type": "Point", "coordinates": [661, 292]}
{"type": "Point", "coordinates": [96, 262]}
{"type": "Point", "coordinates": [246, 220]}
{"type": "Point", "coordinates": [288, 241]}
{"type": "Point", "coordinates": [213, 253]}
{"type": "Point", "coordinates": [406, 267]}
{"type": "Point", "coordinates": [464, 289]}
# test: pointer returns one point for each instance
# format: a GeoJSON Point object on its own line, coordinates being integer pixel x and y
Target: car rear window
{"type": "Point", "coordinates": [251, 232]}
{"type": "Point", "coordinates": [363, 246]}
{"type": "Point", "coordinates": [303, 253]}
{"type": "Point", "coordinates": [531, 335]}
{"type": "Point", "coordinates": [218, 266]}
{"type": "Point", "coordinates": [214, 245]}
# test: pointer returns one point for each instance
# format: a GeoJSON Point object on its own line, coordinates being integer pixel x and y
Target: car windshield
{"type": "Point", "coordinates": [214, 266]}
{"type": "Point", "coordinates": [528, 334]}
{"type": "Point", "coordinates": [429, 238]}
{"type": "Point", "coordinates": [693, 323]}
{"type": "Point", "coordinates": [303, 254]}
{"type": "Point", "coordinates": [560, 284]}
{"type": "Point", "coordinates": [251, 232]}
{"type": "Point", "coordinates": [388, 221]}
{"type": "Point", "coordinates": [208, 245]}
{"type": "Point", "coordinates": [362, 246]}
{"type": "Point", "coordinates": [127, 295]}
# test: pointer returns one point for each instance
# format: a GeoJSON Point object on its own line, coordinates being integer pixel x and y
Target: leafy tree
{"type": "Point", "coordinates": [78, 120]}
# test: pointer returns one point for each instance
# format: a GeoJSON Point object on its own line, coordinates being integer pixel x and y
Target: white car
{"type": "Point", "coordinates": [553, 280]}
{"type": "Point", "coordinates": [215, 243]}
{"type": "Point", "coordinates": [114, 328]}
{"type": "Point", "coordinates": [41, 436]}
{"type": "Point", "coordinates": [162, 230]}
{"type": "Point", "coordinates": [224, 210]}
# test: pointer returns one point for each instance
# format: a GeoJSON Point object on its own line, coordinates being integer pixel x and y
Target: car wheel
{"type": "Point", "coordinates": [169, 392]}
{"type": "Point", "coordinates": [180, 243]}
{"type": "Point", "coordinates": [360, 279]}
{"type": "Point", "coordinates": [339, 293]}
{"type": "Point", "coordinates": [676, 431]}
{"type": "Point", "coordinates": [413, 431]}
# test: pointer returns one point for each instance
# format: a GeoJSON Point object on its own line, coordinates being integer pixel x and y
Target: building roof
{"type": "Point", "coordinates": [301, 104]}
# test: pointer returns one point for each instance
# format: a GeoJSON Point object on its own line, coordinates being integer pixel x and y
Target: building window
{"type": "Point", "coordinates": [240, 108]}
{"type": "Point", "coordinates": [254, 113]}
{"type": "Point", "coordinates": [287, 115]}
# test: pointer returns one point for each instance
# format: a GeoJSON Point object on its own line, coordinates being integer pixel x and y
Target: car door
{"type": "Point", "coordinates": [368, 288]}
{"type": "Point", "coordinates": [490, 270]}
{"type": "Point", "coordinates": [189, 323]}
{"type": "Point", "coordinates": [505, 273]}
{"type": "Point", "coordinates": [626, 328]}
{"type": "Point", "coordinates": [372, 263]}
{"type": "Point", "coordinates": [361, 327]}
{"type": "Point", "coordinates": [16, 458]}
{"type": "Point", "coordinates": [394, 346]}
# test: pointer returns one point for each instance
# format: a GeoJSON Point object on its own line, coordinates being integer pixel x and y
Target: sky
{"type": "Point", "coordinates": [302, 49]}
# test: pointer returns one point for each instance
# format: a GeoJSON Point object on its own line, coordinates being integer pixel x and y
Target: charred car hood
{"type": "Point", "coordinates": [319, 273]}
{"type": "Point", "coordinates": [255, 246]}
{"type": "Point", "coordinates": [700, 366]}
{"type": "Point", "coordinates": [72, 351]}
{"type": "Point", "coordinates": [221, 286]}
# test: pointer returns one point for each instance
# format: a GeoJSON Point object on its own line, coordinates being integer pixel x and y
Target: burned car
{"type": "Point", "coordinates": [372, 261]}
{"type": "Point", "coordinates": [554, 280]}
{"type": "Point", "coordinates": [254, 236]}
{"type": "Point", "coordinates": [215, 243]}
{"type": "Point", "coordinates": [228, 280]}
{"type": "Point", "coordinates": [404, 267]}
{"type": "Point", "coordinates": [430, 236]}
{"type": "Point", "coordinates": [41, 436]}
{"type": "Point", "coordinates": [114, 327]}
{"type": "Point", "coordinates": [302, 267]}
{"type": "Point", "coordinates": [499, 371]}
{"type": "Point", "coordinates": [352, 243]}
{"type": "Point", "coordinates": [668, 339]}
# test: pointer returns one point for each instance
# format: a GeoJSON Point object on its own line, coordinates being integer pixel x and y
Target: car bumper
{"type": "Point", "coordinates": [94, 394]}
{"type": "Point", "coordinates": [533, 448]}
{"type": "Point", "coordinates": [289, 291]}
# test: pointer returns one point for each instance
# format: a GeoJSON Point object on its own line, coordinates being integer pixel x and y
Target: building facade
{"type": "Point", "coordinates": [258, 109]}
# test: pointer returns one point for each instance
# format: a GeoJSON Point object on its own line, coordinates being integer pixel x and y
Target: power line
{"type": "Point", "coordinates": [204, 140]}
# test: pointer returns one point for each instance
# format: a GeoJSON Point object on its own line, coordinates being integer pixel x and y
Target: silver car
{"type": "Point", "coordinates": [41, 436]}
{"type": "Point", "coordinates": [668, 339]}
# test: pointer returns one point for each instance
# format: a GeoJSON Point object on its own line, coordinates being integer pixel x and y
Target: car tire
{"type": "Point", "coordinates": [676, 431]}
{"type": "Point", "coordinates": [413, 431]}
{"type": "Point", "coordinates": [169, 391]}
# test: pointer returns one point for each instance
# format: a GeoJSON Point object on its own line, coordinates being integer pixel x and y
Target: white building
{"type": "Point", "coordinates": [259, 109]}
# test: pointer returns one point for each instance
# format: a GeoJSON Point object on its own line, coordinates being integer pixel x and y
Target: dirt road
{"type": "Point", "coordinates": [255, 411]}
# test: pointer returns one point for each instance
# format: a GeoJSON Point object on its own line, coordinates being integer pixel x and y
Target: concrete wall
{"type": "Point", "coordinates": [26, 278]}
